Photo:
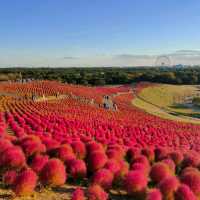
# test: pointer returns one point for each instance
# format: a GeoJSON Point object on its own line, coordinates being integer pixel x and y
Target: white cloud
{"type": "Point", "coordinates": [188, 57]}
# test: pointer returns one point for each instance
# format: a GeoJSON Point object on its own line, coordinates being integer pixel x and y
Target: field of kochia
{"type": "Point", "coordinates": [65, 137]}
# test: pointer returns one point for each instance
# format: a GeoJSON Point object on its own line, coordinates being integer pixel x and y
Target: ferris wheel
{"type": "Point", "coordinates": [163, 61]}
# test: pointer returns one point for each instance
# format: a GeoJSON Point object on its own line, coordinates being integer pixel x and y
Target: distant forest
{"type": "Point", "coordinates": [105, 76]}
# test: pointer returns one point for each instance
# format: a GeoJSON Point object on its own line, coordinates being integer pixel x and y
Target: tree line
{"type": "Point", "coordinates": [105, 76]}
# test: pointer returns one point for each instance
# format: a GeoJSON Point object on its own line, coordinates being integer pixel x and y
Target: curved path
{"type": "Point", "coordinates": [164, 112]}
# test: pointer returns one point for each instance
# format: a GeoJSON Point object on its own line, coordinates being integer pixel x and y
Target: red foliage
{"type": "Point", "coordinates": [113, 166]}
{"type": "Point", "coordinates": [79, 149]}
{"type": "Point", "coordinates": [9, 177]}
{"type": "Point", "coordinates": [135, 182]}
{"type": "Point", "coordinates": [160, 171]}
{"type": "Point", "coordinates": [154, 194]}
{"type": "Point", "coordinates": [13, 158]}
{"type": "Point", "coordinates": [25, 183]}
{"type": "Point", "coordinates": [192, 179]}
{"type": "Point", "coordinates": [53, 173]}
{"type": "Point", "coordinates": [77, 169]}
{"type": "Point", "coordinates": [104, 178]}
{"type": "Point", "coordinates": [95, 192]}
{"type": "Point", "coordinates": [78, 194]}
{"type": "Point", "coordinates": [168, 186]}
{"type": "Point", "coordinates": [96, 160]}
{"type": "Point", "coordinates": [184, 193]}
{"type": "Point", "coordinates": [38, 162]}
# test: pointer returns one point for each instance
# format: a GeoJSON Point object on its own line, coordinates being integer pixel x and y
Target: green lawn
{"type": "Point", "coordinates": [166, 101]}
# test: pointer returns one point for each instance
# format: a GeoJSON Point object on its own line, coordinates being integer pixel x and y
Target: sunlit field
{"type": "Point", "coordinates": [58, 141]}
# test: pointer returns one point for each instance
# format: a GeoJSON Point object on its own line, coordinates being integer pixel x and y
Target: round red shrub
{"type": "Point", "coordinates": [96, 160]}
{"type": "Point", "coordinates": [4, 144]}
{"type": "Point", "coordinates": [64, 153]}
{"type": "Point", "coordinates": [143, 160]}
{"type": "Point", "coordinates": [135, 182]}
{"type": "Point", "coordinates": [53, 173]}
{"type": "Point", "coordinates": [177, 157]}
{"type": "Point", "coordinates": [132, 153]}
{"type": "Point", "coordinates": [114, 154]}
{"type": "Point", "coordinates": [96, 192]}
{"type": "Point", "coordinates": [160, 153]}
{"type": "Point", "coordinates": [94, 146]}
{"type": "Point", "coordinates": [149, 153]}
{"type": "Point", "coordinates": [113, 166]}
{"type": "Point", "coordinates": [38, 162]}
{"type": "Point", "coordinates": [140, 167]}
{"type": "Point", "coordinates": [104, 178]}
{"type": "Point", "coordinates": [50, 144]}
{"type": "Point", "coordinates": [119, 175]}
{"type": "Point", "coordinates": [191, 159]}
{"type": "Point", "coordinates": [32, 145]}
{"type": "Point", "coordinates": [184, 193]}
{"type": "Point", "coordinates": [78, 194]}
{"type": "Point", "coordinates": [153, 194]}
{"type": "Point", "coordinates": [115, 151]}
{"type": "Point", "coordinates": [77, 169]}
{"type": "Point", "coordinates": [160, 171]}
{"type": "Point", "coordinates": [9, 177]}
{"type": "Point", "coordinates": [189, 170]}
{"type": "Point", "coordinates": [170, 163]}
{"type": "Point", "coordinates": [13, 158]}
{"type": "Point", "coordinates": [25, 183]}
{"type": "Point", "coordinates": [192, 179]}
{"type": "Point", "coordinates": [79, 149]}
{"type": "Point", "coordinates": [168, 186]}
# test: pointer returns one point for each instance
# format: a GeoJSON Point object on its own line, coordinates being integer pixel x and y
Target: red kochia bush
{"type": "Point", "coordinates": [132, 153]}
{"type": "Point", "coordinates": [160, 171]}
{"type": "Point", "coordinates": [192, 179]}
{"type": "Point", "coordinates": [9, 177]}
{"type": "Point", "coordinates": [79, 149]}
{"type": "Point", "coordinates": [95, 192]}
{"type": "Point", "coordinates": [25, 183]}
{"type": "Point", "coordinates": [77, 169]}
{"type": "Point", "coordinates": [78, 194]}
{"type": "Point", "coordinates": [135, 182]}
{"type": "Point", "coordinates": [32, 145]}
{"type": "Point", "coordinates": [64, 153]}
{"type": "Point", "coordinates": [114, 154]}
{"type": "Point", "coordinates": [113, 166]}
{"type": "Point", "coordinates": [53, 173]}
{"type": "Point", "coordinates": [153, 194]}
{"type": "Point", "coordinates": [94, 146]}
{"type": "Point", "coordinates": [149, 153]}
{"type": "Point", "coordinates": [168, 186]}
{"type": "Point", "coordinates": [170, 163]}
{"type": "Point", "coordinates": [191, 159]}
{"type": "Point", "coordinates": [38, 162]}
{"type": "Point", "coordinates": [96, 160]}
{"type": "Point", "coordinates": [184, 193]}
{"type": "Point", "coordinates": [104, 178]}
{"type": "Point", "coordinates": [13, 157]}
{"type": "Point", "coordinates": [189, 170]}
{"type": "Point", "coordinates": [143, 160]}
{"type": "Point", "coordinates": [50, 144]}
{"type": "Point", "coordinates": [160, 153]}
{"type": "Point", "coordinates": [119, 175]}
{"type": "Point", "coordinates": [177, 157]}
{"type": "Point", "coordinates": [140, 167]}
{"type": "Point", "coordinates": [4, 144]}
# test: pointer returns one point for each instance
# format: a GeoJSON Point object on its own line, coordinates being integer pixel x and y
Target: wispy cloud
{"type": "Point", "coordinates": [70, 57]}
{"type": "Point", "coordinates": [185, 57]}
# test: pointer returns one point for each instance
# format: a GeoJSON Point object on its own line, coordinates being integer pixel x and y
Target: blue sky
{"type": "Point", "coordinates": [97, 32]}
